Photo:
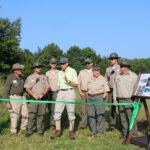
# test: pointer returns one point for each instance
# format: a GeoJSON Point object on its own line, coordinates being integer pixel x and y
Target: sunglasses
{"type": "Point", "coordinates": [121, 66]}
{"type": "Point", "coordinates": [87, 63]}
{"type": "Point", "coordinates": [112, 58]}
{"type": "Point", "coordinates": [38, 67]}
{"type": "Point", "coordinates": [62, 63]}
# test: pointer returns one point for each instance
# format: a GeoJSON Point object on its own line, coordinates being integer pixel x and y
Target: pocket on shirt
{"type": "Point", "coordinates": [15, 84]}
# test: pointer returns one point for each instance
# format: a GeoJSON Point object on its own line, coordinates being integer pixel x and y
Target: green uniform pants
{"type": "Point", "coordinates": [36, 110]}
{"type": "Point", "coordinates": [51, 107]}
{"type": "Point", "coordinates": [125, 116]}
{"type": "Point", "coordinates": [96, 114]}
{"type": "Point", "coordinates": [112, 108]}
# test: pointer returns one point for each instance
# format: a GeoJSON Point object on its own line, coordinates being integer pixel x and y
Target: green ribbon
{"type": "Point", "coordinates": [135, 106]}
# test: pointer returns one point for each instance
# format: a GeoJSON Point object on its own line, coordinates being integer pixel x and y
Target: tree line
{"type": "Point", "coordinates": [10, 53]}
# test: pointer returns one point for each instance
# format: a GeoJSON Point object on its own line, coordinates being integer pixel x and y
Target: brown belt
{"type": "Point", "coordinates": [124, 98]}
{"type": "Point", "coordinates": [54, 91]}
{"type": "Point", "coordinates": [84, 91]}
{"type": "Point", "coordinates": [93, 95]}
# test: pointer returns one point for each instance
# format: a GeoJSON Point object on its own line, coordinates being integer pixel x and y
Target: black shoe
{"type": "Point", "coordinates": [41, 134]}
{"type": "Point", "coordinates": [122, 137]}
{"type": "Point", "coordinates": [109, 129]}
{"type": "Point", "coordinates": [28, 135]}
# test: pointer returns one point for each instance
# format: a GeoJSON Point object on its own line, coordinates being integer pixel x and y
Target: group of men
{"type": "Point", "coordinates": [59, 86]}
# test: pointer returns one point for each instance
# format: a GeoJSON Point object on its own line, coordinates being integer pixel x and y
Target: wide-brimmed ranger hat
{"type": "Point", "coordinates": [37, 65]}
{"type": "Point", "coordinates": [113, 55]}
{"type": "Point", "coordinates": [125, 62]}
{"type": "Point", "coordinates": [88, 60]}
{"type": "Point", "coordinates": [53, 61]}
{"type": "Point", "coordinates": [17, 66]}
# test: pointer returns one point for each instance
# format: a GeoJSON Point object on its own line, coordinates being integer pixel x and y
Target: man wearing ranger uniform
{"type": "Point", "coordinates": [82, 86]}
{"type": "Point", "coordinates": [37, 87]}
{"type": "Point", "coordinates": [122, 93]}
{"type": "Point", "coordinates": [52, 76]}
{"type": "Point", "coordinates": [14, 89]}
{"type": "Point", "coordinates": [110, 75]}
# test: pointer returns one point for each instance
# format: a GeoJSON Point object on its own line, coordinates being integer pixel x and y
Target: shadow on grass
{"type": "Point", "coordinates": [4, 125]}
{"type": "Point", "coordinates": [143, 126]}
{"type": "Point", "coordinates": [118, 123]}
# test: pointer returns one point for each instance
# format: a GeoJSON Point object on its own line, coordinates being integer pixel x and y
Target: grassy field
{"type": "Point", "coordinates": [82, 142]}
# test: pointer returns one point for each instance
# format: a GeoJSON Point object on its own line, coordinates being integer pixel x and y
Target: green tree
{"type": "Point", "coordinates": [48, 52]}
{"type": "Point", "coordinates": [75, 58]}
{"type": "Point", "coordinates": [9, 43]}
{"type": "Point", "coordinates": [140, 65]}
{"type": "Point", "coordinates": [104, 63]}
{"type": "Point", "coordinates": [28, 59]}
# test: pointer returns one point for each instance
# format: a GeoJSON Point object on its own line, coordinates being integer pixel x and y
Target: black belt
{"type": "Point", "coordinates": [66, 89]}
{"type": "Point", "coordinates": [93, 95]}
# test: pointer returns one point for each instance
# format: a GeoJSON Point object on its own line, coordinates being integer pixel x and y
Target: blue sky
{"type": "Point", "coordinates": [121, 26]}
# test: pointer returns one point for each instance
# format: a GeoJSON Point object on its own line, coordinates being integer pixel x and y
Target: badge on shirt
{"type": "Point", "coordinates": [32, 80]}
{"type": "Point", "coordinates": [14, 81]}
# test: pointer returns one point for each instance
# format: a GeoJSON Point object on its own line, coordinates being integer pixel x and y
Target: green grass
{"type": "Point", "coordinates": [82, 142]}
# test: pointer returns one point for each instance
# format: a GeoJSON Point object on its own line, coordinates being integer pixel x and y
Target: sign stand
{"type": "Point", "coordinates": [141, 91]}
{"type": "Point", "coordinates": [143, 141]}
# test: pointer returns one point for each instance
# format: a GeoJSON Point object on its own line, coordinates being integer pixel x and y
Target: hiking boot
{"type": "Point", "coordinates": [82, 127]}
{"type": "Point", "coordinates": [122, 137]}
{"type": "Point", "coordinates": [92, 135]}
{"type": "Point", "coordinates": [71, 135]}
{"type": "Point", "coordinates": [41, 134]}
{"type": "Point", "coordinates": [56, 135]}
{"type": "Point", "coordinates": [109, 129]}
{"type": "Point", "coordinates": [28, 135]}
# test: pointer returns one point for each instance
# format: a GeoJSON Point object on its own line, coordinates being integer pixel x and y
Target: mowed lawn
{"type": "Point", "coordinates": [110, 140]}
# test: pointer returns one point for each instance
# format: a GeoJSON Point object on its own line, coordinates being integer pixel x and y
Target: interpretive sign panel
{"type": "Point", "coordinates": [142, 88]}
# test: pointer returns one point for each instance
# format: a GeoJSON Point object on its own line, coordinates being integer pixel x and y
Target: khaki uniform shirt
{"type": "Point", "coordinates": [97, 86]}
{"type": "Point", "coordinates": [53, 79]}
{"type": "Point", "coordinates": [13, 86]}
{"type": "Point", "coordinates": [37, 85]}
{"type": "Point", "coordinates": [111, 73]}
{"type": "Point", "coordinates": [83, 77]}
{"type": "Point", "coordinates": [124, 85]}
